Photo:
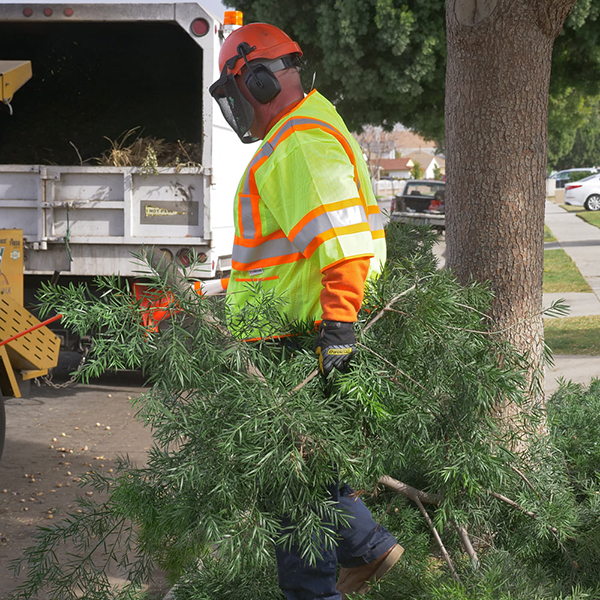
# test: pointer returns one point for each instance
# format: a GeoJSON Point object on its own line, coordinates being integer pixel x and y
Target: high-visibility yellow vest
{"type": "Point", "coordinates": [304, 204]}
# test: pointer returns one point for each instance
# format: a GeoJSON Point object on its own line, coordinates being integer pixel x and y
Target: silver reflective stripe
{"type": "Point", "coordinates": [327, 221]}
{"type": "Point", "coordinates": [301, 121]}
{"type": "Point", "coordinates": [375, 221]}
{"type": "Point", "coordinates": [247, 220]}
{"type": "Point", "coordinates": [268, 249]}
{"type": "Point", "coordinates": [265, 151]}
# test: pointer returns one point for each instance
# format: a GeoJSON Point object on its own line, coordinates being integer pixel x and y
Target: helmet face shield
{"type": "Point", "coordinates": [238, 112]}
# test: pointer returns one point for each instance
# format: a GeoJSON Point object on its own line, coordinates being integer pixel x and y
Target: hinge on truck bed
{"type": "Point", "coordinates": [208, 172]}
{"type": "Point", "coordinates": [52, 176]}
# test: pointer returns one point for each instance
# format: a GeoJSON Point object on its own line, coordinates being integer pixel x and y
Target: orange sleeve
{"type": "Point", "coordinates": [344, 289]}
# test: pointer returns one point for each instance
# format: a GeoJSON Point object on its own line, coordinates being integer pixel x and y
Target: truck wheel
{"type": "Point", "coordinates": [593, 202]}
{"type": "Point", "coordinates": [2, 424]}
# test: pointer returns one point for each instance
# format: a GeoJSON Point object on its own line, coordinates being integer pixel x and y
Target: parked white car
{"type": "Point", "coordinates": [564, 177]}
{"type": "Point", "coordinates": [585, 192]}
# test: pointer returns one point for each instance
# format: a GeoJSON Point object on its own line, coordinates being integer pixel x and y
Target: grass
{"type": "Point", "coordinates": [573, 335]}
{"type": "Point", "coordinates": [593, 218]}
{"type": "Point", "coordinates": [573, 209]}
{"type": "Point", "coordinates": [569, 335]}
{"type": "Point", "coordinates": [561, 275]}
{"type": "Point", "coordinates": [548, 235]}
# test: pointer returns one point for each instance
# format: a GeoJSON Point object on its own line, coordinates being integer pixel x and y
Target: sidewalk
{"type": "Point", "coordinates": [581, 241]}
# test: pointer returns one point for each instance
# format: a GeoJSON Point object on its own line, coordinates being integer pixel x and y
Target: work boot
{"type": "Point", "coordinates": [356, 580]}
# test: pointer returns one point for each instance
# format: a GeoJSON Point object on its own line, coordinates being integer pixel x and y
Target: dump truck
{"type": "Point", "coordinates": [28, 349]}
{"type": "Point", "coordinates": [105, 78]}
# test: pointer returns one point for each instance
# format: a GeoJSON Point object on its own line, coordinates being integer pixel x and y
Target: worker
{"type": "Point", "coordinates": [307, 226]}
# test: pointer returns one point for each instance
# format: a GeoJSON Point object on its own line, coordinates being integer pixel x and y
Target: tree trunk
{"type": "Point", "coordinates": [497, 85]}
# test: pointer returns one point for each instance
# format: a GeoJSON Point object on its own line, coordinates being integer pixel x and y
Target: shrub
{"type": "Point", "coordinates": [244, 433]}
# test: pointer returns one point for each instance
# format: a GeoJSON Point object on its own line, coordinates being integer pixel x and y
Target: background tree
{"type": "Point", "coordinates": [417, 171]}
{"type": "Point", "coordinates": [375, 143]}
{"type": "Point", "coordinates": [566, 115]}
{"type": "Point", "coordinates": [573, 130]}
{"type": "Point", "coordinates": [381, 62]}
{"type": "Point", "coordinates": [586, 147]}
{"type": "Point", "coordinates": [574, 120]}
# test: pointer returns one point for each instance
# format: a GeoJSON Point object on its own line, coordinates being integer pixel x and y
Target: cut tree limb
{"type": "Point", "coordinates": [438, 539]}
{"type": "Point", "coordinates": [408, 491]}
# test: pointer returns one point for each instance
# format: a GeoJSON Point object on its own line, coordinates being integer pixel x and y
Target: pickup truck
{"type": "Point", "coordinates": [421, 202]}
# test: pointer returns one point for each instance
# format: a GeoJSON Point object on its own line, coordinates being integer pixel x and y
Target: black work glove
{"type": "Point", "coordinates": [335, 346]}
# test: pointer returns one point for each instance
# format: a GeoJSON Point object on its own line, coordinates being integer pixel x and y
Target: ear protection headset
{"type": "Point", "coordinates": [260, 80]}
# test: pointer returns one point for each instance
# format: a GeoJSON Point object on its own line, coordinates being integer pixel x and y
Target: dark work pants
{"type": "Point", "coordinates": [362, 542]}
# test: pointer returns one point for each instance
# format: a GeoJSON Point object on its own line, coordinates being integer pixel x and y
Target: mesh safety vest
{"type": "Point", "coordinates": [304, 204]}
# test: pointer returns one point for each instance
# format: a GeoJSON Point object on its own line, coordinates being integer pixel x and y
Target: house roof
{"type": "Point", "coordinates": [425, 159]}
{"type": "Point", "coordinates": [403, 163]}
{"type": "Point", "coordinates": [408, 139]}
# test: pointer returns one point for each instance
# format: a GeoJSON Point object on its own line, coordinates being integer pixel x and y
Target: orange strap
{"type": "Point", "coordinates": [344, 289]}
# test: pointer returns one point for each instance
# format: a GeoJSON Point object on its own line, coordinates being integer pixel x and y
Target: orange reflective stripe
{"type": "Point", "coordinates": [262, 263]}
{"type": "Point", "coordinates": [375, 218]}
{"type": "Point", "coordinates": [257, 278]}
{"type": "Point", "coordinates": [254, 243]}
{"type": "Point", "coordinates": [331, 233]}
{"type": "Point", "coordinates": [320, 210]}
{"type": "Point", "coordinates": [325, 219]}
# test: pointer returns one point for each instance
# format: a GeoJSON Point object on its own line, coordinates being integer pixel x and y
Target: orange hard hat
{"type": "Point", "coordinates": [267, 41]}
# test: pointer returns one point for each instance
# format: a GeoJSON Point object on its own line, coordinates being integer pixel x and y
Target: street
{"type": "Point", "coordinates": [52, 438]}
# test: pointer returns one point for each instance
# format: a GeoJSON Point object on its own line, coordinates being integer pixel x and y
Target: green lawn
{"type": "Point", "coordinates": [561, 275]}
{"type": "Point", "coordinates": [568, 335]}
{"type": "Point", "coordinates": [548, 235]}
{"type": "Point", "coordinates": [592, 217]}
{"type": "Point", "coordinates": [573, 335]}
{"type": "Point", "coordinates": [574, 209]}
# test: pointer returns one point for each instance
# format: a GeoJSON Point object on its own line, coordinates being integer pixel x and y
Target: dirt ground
{"type": "Point", "coordinates": [53, 436]}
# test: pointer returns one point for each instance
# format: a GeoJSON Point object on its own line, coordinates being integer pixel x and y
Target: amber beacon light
{"type": "Point", "coordinates": [233, 17]}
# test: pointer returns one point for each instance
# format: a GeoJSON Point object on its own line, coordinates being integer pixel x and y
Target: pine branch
{"type": "Point", "coordinates": [512, 503]}
{"type": "Point", "coordinates": [387, 307]}
{"type": "Point", "coordinates": [522, 476]}
{"type": "Point", "coordinates": [438, 539]}
{"type": "Point", "coordinates": [466, 542]}
{"type": "Point", "coordinates": [366, 328]}
{"type": "Point", "coordinates": [395, 367]}
{"type": "Point", "coordinates": [408, 491]}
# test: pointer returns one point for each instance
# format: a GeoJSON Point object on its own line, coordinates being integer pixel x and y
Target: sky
{"type": "Point", "coordinates": [214, 6]}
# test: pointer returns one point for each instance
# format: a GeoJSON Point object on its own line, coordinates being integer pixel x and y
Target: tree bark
{"type": "Point", "coordinates": [497, 88]}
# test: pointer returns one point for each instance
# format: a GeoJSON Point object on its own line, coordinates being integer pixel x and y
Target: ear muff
{"type": "Point", "coordinates": [262, 83]}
